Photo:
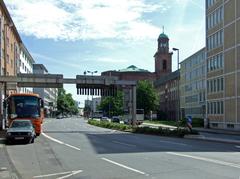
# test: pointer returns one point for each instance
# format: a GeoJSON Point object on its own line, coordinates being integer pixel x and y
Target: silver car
{"type": "Point", "coordinates": [21, 130]}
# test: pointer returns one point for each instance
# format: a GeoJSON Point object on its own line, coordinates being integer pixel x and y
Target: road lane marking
{"type": "Point", "coordinates": [237, 146]}
{"type": "Point", "coordinates": [72, 146]}
{"type": "Point", "coordinates": [122, 143]}
{"type": "Point", "coordinates": [60, 142]}
{"type": "Point", "coordinates": [69, 173]}
{"type": "Point", "coordinates": [175, 143]}
{"type": "Point", "coordinates": [124, 166]}
{"type": "Point", "coordinates": [206, 159]}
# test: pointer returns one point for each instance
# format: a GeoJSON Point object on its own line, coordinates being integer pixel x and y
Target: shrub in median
{"type": "Point", "coordinates": [109, 125]}
{"type": "Point", "coordinates": [163, 131]}
{"type": "Point", "coordinates": [179, 132]}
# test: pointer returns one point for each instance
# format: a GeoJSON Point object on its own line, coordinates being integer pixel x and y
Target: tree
{"type": "Point", "coordinates": [147, 97]}
{"type": "Point", "coordinates": [65, 103]}
{"type": "Point", "coordinates": [112, 105]}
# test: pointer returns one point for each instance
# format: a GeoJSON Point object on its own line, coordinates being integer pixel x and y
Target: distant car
{"type": "Point", "coordinates": [59, 117]}
{"type": "Point", "coordinates": [106, 119]}
{"type": "Point", "coordinates": [21, 130]}
{"type": "Point", "coordinates": [115, 119]}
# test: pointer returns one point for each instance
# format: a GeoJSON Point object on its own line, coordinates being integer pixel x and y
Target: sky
{"type": "Point", "coordinates": [72, 36]}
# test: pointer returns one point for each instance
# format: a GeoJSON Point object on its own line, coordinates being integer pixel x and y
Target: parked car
{"type": "Point", "coordinates": [115, 119]}
{"type": "Point", "coordinates": [105, 119]}
{"type": "Point", "coordinates": [21, 130]}
{"type": "Point", "coordinates": [59, 117]}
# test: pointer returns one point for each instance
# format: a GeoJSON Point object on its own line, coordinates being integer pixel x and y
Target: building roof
{"type": "Point", "coordinates": [25, 50]}
{"type": "Point", "coordinates": [162, 35]}
{"type": "Point", "coordinates": [190, 57]}
{"type": "Point", "coordinates": [167, 78]}
{"type": "Point", "coordinates": [133, 68]}
{"type": "Point", "coordinates": [41, 66]}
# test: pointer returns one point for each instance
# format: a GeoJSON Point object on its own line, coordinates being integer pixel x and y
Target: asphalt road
{"type": "Point", "coordinates": [70, 148]}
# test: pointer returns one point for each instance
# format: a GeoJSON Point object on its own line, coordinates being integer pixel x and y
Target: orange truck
{"type": "Point", "coordinates": [25, 106]}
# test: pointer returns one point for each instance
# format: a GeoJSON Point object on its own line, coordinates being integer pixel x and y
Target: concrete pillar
{"type": "Point", "coordinates": [134, 105]}
{"type": "Point", "coordinates": [2, 124]}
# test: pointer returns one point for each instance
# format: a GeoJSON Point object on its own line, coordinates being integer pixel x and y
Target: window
{"type": "Point", "coordinates": [215, 62]}
{"type": "Point", "coordinates": [221, 84]}
{"type": "Point", "coordinates": [164, 64]}
{"type": "Point", "coordinates": [215, 108]}
{"type": "Point", "coordinates": [221, 107]}
{"type": "Point", "coordinates": [215, 18]}
{"type": "Point", "coordinates": [215, 40]}
{"type": "Point", "coordinates": [7, 59]}
{"type": "Point", "coordinates": [215, 85]}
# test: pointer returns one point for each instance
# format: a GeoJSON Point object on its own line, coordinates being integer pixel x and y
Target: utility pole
{"type": "Point", "coordinates": [178, 86]}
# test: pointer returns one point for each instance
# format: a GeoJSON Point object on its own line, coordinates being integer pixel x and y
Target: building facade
{"type": "Point", "coordinates": [223, 63]}
{"type": "Point", "coordinates": [168, 92]}
{"type": "Point", "coordinates": [25, 65]}
{"type": "Point", "coordinates": [9, 52]}
{"type": "Point", "coordinates": [193, 85]}
{"type": "Point", "coordinates": [49, 95]}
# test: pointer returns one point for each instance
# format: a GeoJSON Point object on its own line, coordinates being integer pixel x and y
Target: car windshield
{"type": "Point", "coordinates": [24, 106]}
{"type": "Point", "coordinates": [21, 124]}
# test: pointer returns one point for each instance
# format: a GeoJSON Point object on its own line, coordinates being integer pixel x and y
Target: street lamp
{"type": "Point", "coordinates": [178, 100]}
{"type": "Point", "coordinates": [92, 72]}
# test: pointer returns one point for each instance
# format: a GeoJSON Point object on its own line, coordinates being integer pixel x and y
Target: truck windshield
{"type": "Point", "coordinates": [23, 106]}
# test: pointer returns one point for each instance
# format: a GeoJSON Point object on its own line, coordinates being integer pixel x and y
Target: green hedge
{"type": "Point", "coordinates": [164, 131]}
{"type": "Point", "coordinates": [110, 125]}
{"type": "Point", "coordinates": [179, 132]}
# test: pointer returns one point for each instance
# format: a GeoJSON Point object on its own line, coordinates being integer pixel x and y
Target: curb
{"type": "Point", "coordinates": [219, 132]}
{"type": "Point", "coordinates": [201, 137]}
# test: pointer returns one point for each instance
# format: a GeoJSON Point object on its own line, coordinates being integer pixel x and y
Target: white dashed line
{"type": "Point", "coordinates": [60, 142]}
{"type": "Point", "coordinates": [122, 143]}
{"type": "Point", "coordinates": [70, 173]}
{"type": "Point", "coordinates": [175, 143]}
{"type": "Point", "coordinates": [237, 146]}
{"type": "Point", "coordinates": [124, 166]}
{"type": "Point", "coordinates": [206, 159]}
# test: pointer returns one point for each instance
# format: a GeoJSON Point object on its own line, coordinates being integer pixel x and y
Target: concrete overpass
{"type": "Point", "coordinates": [86, 85]}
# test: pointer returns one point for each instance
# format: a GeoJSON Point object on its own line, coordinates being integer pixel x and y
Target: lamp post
{"type": "Point", "coordinates": [92, 72]}
{"type": "Point", "coordinates": [178, 88]}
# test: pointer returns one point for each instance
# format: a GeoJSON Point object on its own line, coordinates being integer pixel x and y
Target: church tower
{"type": "Point", "coordinates": [163, 58]}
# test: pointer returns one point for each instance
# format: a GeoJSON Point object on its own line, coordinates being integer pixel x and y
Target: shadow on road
{"type": "Point", "coordinates": [135, 143]}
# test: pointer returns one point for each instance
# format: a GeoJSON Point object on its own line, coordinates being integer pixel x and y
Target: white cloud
{"type": "Point", "coordinates": [44, 59]}
{"type": "Point", "coordinates": [84, 19]}
{"type": "Point", "coordinates": [111, 60]}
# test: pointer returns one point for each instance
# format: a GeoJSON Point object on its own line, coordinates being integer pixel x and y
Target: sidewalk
{"type": "Point", "coordinates": [217, 131]}
{"type": "Point", "coordinates": [215, 135]}
{"type": "Point", "coordinates": [7, 170]}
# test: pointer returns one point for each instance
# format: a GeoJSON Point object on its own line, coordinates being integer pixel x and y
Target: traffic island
{"type": "Point", "coordinates": [178, 132]}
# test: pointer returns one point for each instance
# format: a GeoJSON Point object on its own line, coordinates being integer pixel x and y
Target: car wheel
{"type": "Point", "coordinates": [32, 141]}
{"type": "Point", "coordinates": [37, 134]}
{"type": "Point", "coordinates": [8, 142]}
